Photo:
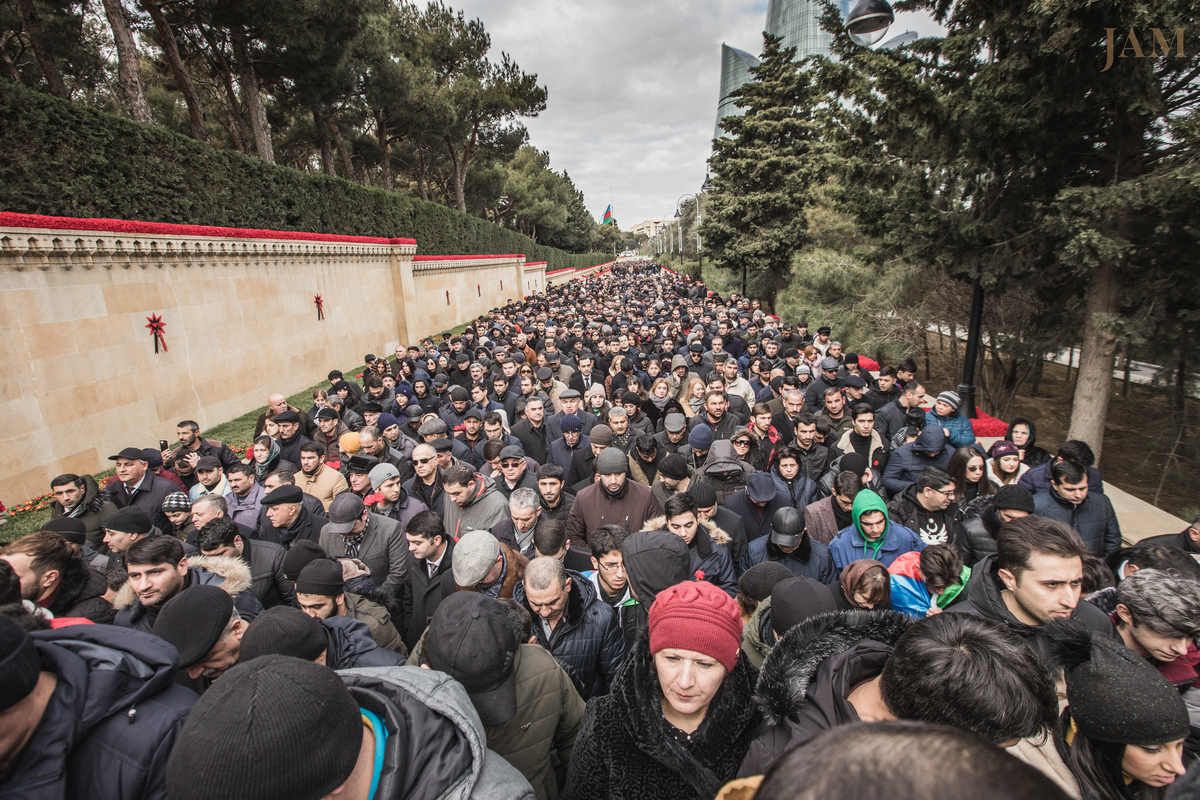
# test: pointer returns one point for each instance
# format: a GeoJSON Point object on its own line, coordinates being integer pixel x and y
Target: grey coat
{"type": "Point", "coordinates": [384, 550]}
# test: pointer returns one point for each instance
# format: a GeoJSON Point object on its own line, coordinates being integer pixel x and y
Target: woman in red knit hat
{"type": "Point", "coordinates": [680, 715]}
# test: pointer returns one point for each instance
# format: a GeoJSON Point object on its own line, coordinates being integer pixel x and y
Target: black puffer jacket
{"type": "Point", "coordinates": [587, 641]}
{"type": "Point", "coordinates": [809, 672]}
{"type": "Point", "coordinates": [81, 594]}
{"type": "Point", "coordinates": [1094, 519]}
{"type": "Point", "coordinates": [984, 600]}
{"type": "Point", "coordinates": [712, 560]}
{"type": "Point", "coordinates": [977, 534]}
{"type": "Point", "coordinates": [111, 721]}
{"type": "Point", "coordinates": [351, 646]}
{"type": "Point", "coordinates": [1034, 456]}
{"type": "Point", "coordinates": [623, 751]}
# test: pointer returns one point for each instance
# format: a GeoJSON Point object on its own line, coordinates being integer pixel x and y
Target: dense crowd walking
{"type": "Point", "coordinates": [623, 539]}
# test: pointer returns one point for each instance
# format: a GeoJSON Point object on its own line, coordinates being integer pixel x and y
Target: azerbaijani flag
{"type": "Point", "coordinates": [608, 217]}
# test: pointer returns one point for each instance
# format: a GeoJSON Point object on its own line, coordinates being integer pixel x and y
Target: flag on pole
{"type": "Point", "coordinates": [608, 217]}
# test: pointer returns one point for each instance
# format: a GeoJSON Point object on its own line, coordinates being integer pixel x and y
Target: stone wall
{"type": "Point", "coordinates": [79, 375]}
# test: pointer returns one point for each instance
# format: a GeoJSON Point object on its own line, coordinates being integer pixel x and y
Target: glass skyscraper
{"type": "Point", "coordinates": [735, 73]}
{"type": "Point", "coordinates": [798, 23]}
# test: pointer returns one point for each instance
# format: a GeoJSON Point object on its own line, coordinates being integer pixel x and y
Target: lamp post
{"type": "Point", "coordinates": [867, 23]}
{"type": "Point", "coordinates": [679, 216]}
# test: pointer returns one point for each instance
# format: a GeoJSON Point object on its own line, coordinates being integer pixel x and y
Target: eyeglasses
{"type": "Point", "coordinates": [741, 443]}
{"type": "Point", "coordinates": [424, 461]}
{"type": "Point", "coordinates": [949, 493]}
{"type": "Point", "coordinates": [613, 566]}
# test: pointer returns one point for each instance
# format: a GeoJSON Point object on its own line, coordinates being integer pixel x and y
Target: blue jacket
{"type": "Point", "coordinates": [350, 646]}
{"type": "Point", "coordinates": [905, 465]}
{"type": "Point", "coordinates": [849, 545]}
{"type": "Point", "coordinates": [818, 567]}
{"type": "Point", "coordinates": [756, 520]}
{"type": "Point", "coordinates": [587, 642]}
{"type": "Point", "coordinates": [560, 452]}
{"type": "Point", "coordinates": [111, 721]}
{"type": "Point", "coordinates": [1094, 519]}
{"type": "Point", "coordinates": [961, 432]}
{"type": "Point", "coordinates": [710, 554]}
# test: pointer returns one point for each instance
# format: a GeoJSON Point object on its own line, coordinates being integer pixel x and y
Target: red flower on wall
{"type": "Point", "coordinates": [320, 306]}
{"type": "Point", "coordinates": [156, 326]}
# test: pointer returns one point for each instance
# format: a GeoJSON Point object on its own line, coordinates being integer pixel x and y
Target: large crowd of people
{"type": "Point", "coordinates": [623, 539]}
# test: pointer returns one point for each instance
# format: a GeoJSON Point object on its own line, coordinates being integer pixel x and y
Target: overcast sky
{"type": "Point", "coordinates": [633, 88]}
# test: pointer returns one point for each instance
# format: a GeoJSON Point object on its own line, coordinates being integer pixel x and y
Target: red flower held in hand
{"type": "Point", "coordinates": [372, 499]}
{"type": "Point", "coordinates": [699, 575]}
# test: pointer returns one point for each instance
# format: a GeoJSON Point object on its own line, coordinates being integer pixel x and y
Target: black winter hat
{"type": "Point", "coordinates": [797, 599]}
{"type": "Point", "coordinates": [758, 581]}
{"type": "Point", "coordinates": [321, 576]}
{"type": "Point", "coordinates": [19, 663]}
{"type": "Point", "coordinates": [285, 631]}
{"type": "Point", "coordinates": [287, 493]}
{"type": "Point", "coordinates": [274, 728]}
{"type": "Point", "coordinates": [129, 519]}
{"type": "Point", "coordinates": [1115, 695]}
{"type": "Point", "coordinates": [194, 620]}
{"type": "Point", "coordinates": [299, 556]}
{"type": "Point", "coordinates": [71, 529]}
{"type": "Point", "coordinates": [1014, 498]}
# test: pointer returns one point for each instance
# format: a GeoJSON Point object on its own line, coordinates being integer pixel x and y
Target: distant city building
{"type": "Point", "coordinates": [798, 24]}
{"type": "Point", "coordinates": [650, 228]}
{"type": "Point", "coordinates": [735, 73]}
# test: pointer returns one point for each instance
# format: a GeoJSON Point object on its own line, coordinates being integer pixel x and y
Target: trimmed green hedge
{"type": "Point", "coordinates": [61, 159]}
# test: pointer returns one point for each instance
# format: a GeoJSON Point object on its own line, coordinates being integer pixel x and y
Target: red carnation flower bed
{"type": "Point", "coordinates": [986, 426]}
{"type": "Point", "coordinates": [12, 220]}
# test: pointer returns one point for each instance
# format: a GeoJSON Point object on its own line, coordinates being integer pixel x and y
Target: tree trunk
{"type": "Point", "coordinates": [1038, 368]}
{"type": "Point", "coordinates": [385, 153]}
{"type": "Point", "coordinates": [925, 343]}
{"type": "Point", "coordinates": [9, 67]}
{"type": "Point", "coordinates": [343, 151]}
{"type": "Point", "coordinates": [251, 95]}
{"type": "Point", "coordinates": [129, 74]}
{"type": "Point", "coordinates": [235, 126]}
{"type": "Point", "coordinates": [37, 40]}
{"type": "Point", "coordinates": [1093, 379]}
{"type": "Point", "coordinates": [1128, 369]}
{"type": "Point", "coordinates": [178, 70]}
{"type": "Point", "coordinates": [323, 139]}
{"type": "Point", "coordinates": [1181, 384]}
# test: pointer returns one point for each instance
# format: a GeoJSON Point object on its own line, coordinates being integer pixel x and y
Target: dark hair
{"type": "Point", "coordinates": [1067, 472]}
{"type": "Point", "coordinates": [1096, 574]}
{"type": "Point", "coordinates": [10, 584]}
{"type": "Point", "coordinates": [313, 447]}
{"type": "Point", "coordinates": [824, 427]}
{"type": "Point", "coordinates": [932, 478]}
{"type": "Point", "coordinates": [1019, 539]}
{"type": "Point", "coordinates": [958, 472]}
{"type": "Point", "coordinates": [46, 550]}
{"type": "Point", "coordinates": [941, 565]}
{"type": "Point", "coordinates": [217, 532]}
{"type": "Point", "coordinates": [549, 536]}
{"type": "Point", "coordinates": [913, 760]}
{"type": "Point", "coordinates": [972, 673]}
{"type": "Point", "coordinates": [1156, 556]}
{"type": "Point", "coordinates": [1096, 765]}
{"type": "Point", "coordinates": [678, 504]}
{"type": "Point", "coordinates": [155, 550]}
{"type": "Point", "coordinates": [493, 417]}
{"type": "Point", "coordinates": [19, 614]}
{"type": "Point", "coordinates": [372, 382]}
{"type": "Point", "coordinates": [426, 524]}
{"type": "Point", "coordinates": [832, 391]}
{"type": "Point", "coordinates": [607, 539]}
{"type": "Point", "coordinates": [858, 409]}
{"type": "Point", "coordinates": [458, 475]}
{"type": "Point", "coordinates": [1077, 451]}
{"type": "Point", "coordinates": [646, 443]}
{"type": "Point", "coordinates": [806, 418]}
{"type": "Point", "coordinates": [887, 372]}
{"type": "Point", "coordinates": [876, 585]}
{"type": "Point", "coordinates": [491, 449]}
{"type": "Point", "coordinates": [190, 425]}
{"type": "Point", "coordinates": [907, 365]}
{"type": "Point", "coordinates": [519, 616]}
{"type": "Point", "coordinates": [66, 478]}
{"type": "Point", "coordinates": [550, 471]}
{"type": "Point", "coordinates": [285, 476]}
{"type": "Point", "coordinates": [847, 484]}
{"type": "Point", "coordinates": [243, 469]}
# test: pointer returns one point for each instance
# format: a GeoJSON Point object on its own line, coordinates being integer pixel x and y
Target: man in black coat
{"type": "Point", "coordinates": [223, 537]}
{"type": "Point", "coordinates": [287, 520]}
{"type": "Point", "coordinates": [137, 486]}
{"type": "Point", "coordinates": [92, 705]}
{"type": "Point", "coordinates": [532, 431]}
{"type": "Point", "coordinates": [430, 579]}
{"type": "Point", "coordinates": [1187, 540]}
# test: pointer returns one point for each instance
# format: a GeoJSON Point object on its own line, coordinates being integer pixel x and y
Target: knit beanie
{"type": "Point", "coordinates": [701, 437]}
{"type": "Point", "coordinates": [601, 435]}
{"type": "Point", "coordinates": [611, 461]}
{"type": "Point", "coordinates": [703, 493]}
{"type": "Point", "coordinates": [299, 556]}
{"type": "Point", "coordinates": [349, 443]}
{"type": "Point", "coordinates": [129, 519]}
{"type": "Point", "coordinates": [1014, 498]}
{"type": "Point", "coordinates": [951, 399]}
{"type": "Point", "coordinates": [276, 727]}
{"type": "Point", "coordinates": [700, 617]}
{"type": "Point", "coordinates": [1114, 694]}
{"type": "Point", "coordinates": [286, 631]}
{"type": "Point", "coordinates": [758, 581]}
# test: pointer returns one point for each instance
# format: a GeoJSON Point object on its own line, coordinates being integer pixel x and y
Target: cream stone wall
{"type": "Point", "coordinates": [79, 378]}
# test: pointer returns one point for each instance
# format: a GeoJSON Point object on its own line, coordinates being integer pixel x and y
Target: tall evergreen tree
{"type": "Point", "coordinates": [764, 174]}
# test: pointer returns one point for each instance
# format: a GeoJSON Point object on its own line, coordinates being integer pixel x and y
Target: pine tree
{"type": "Point", "coordinates": [765, 173]}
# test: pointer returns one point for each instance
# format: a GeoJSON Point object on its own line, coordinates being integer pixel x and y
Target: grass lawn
{"type": "Point", "coordinates": [236, 433]}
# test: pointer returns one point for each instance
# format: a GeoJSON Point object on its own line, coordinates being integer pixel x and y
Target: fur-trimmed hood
{"type": "Point", "coordinates": [790, 666]}
{"type": "Point", "coordinates": [715, 534]}
{"type": "Point", "coordinates": [234, 572]}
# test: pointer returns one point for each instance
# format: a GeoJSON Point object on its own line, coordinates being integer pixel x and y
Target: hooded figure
{"type": "Point", "coordinates": [851, 544]}
{"type": "Point", "coordinates": [1031, 454]}
{"type": "Point", "coordinates": [654, 560]}
{"type": "Point", "coordinates": [905, 465]}
{"type": "Point", "coordinates": [724, 471]}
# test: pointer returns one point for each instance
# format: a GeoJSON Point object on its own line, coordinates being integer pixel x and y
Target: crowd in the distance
{"type": "Point", "coordinates": [624, 539]}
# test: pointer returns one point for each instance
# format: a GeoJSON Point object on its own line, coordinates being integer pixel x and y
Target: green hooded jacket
{"type": "Point", "coordinates": [864, 502]}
